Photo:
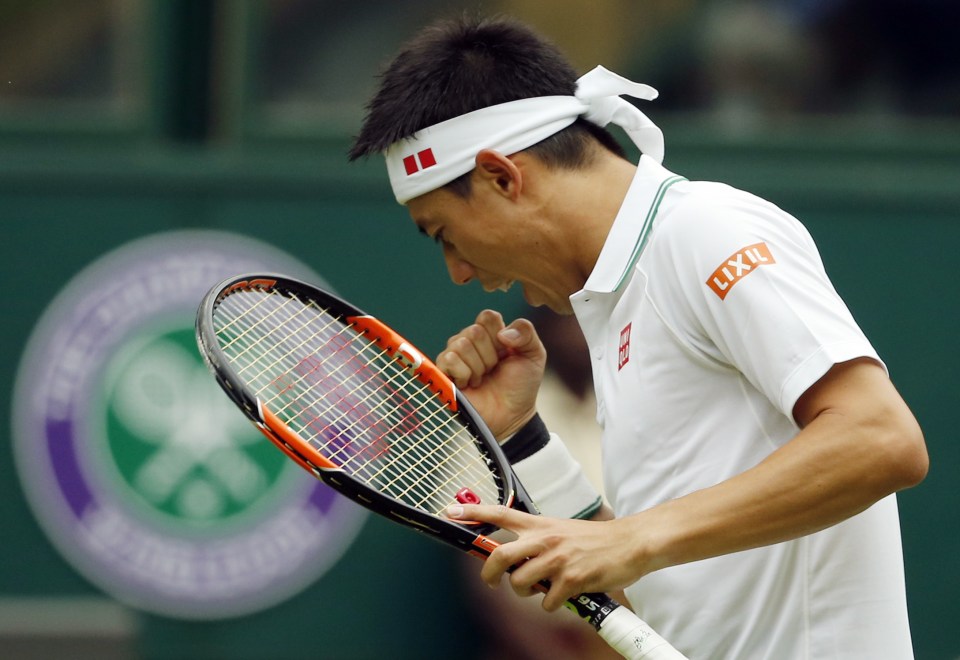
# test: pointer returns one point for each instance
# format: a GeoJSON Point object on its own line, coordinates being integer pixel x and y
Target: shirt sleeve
{"type": "Point", "coordinates": [753, 294]}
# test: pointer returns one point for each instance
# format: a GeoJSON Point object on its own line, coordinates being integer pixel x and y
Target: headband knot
{"type": "Point", "coordinates": [438, 154]}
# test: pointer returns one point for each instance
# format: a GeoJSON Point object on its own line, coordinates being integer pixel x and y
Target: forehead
{"type": "Point", "coordinates": [434, 207]}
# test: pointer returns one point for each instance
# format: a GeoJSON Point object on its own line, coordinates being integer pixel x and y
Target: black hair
{"type": "Point", "coordinates": [456, 66]}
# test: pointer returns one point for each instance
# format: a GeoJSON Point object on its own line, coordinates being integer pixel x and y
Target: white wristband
{"type": "Point", "coordinates": [555, 481]}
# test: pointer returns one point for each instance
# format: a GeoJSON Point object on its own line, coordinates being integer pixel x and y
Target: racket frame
{"type": "Point", "coordinates": [468, 536]}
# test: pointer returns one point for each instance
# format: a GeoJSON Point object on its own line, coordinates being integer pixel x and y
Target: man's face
{"type": "Point", "coordinates": [497, 242]}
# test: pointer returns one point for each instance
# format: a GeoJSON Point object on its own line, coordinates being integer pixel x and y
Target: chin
{"type": "Point", "coordinates": [562, 307]}
{"type": "Point", "coordinates": [557, 306]}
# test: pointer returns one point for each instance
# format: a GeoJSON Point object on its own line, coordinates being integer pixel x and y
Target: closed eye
{"type": "Point", "coordinates": [437, 238]}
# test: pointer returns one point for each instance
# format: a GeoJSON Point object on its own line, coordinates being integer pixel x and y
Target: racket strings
{"type": "Point", "coordinates": [434, 419]}
{"type": "Point", "coordinates": [254, 335]}
{"type": "Point", "coordinates": [271, 324]}
{"type": "Point", "coordinates": [456, 468]}
{"type": "Point", "coordinates": [384, 427]}
{"type": "Point", "coordinates": [437, 469]}
{"type": "Point", "coordinates": [456, 476]}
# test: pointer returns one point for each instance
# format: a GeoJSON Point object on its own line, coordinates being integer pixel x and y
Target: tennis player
{"type": "Point", "coordinates": [752, 439]}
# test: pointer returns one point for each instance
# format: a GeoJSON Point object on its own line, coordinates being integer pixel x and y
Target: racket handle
{"type": "Point", "coordinates": [633, 638]}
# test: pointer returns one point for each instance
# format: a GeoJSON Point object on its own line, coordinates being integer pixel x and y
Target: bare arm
{"type": "Point", "coordinates": [858, 443]}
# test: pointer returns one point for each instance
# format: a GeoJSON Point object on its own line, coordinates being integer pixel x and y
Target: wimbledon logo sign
{"type": "Point", "coordinates": [140, 470]}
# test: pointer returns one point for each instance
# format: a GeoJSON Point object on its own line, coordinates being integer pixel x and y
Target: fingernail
{"type": "Point", "coordinates": [454, 511]}
{"type": "Point", "coordinates": [510, 334]}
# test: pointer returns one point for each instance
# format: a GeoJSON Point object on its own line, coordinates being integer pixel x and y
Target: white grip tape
{"type": "Point", "coordinates": [555, 481]}
{"type": "Point", "coordinates": [633, 638]}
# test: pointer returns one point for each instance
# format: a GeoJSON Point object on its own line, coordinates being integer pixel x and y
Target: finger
{"type": "Point", "coordinates": [524, 581]}
{"type": "Point", "coordinates": [485, 345]}
{"type": "Point", "coordinates": [495, 514]}
{"type": "Point", "coordinates": [504, 557]}
{"type": "Point", "coordinates": [513, 556]}
{"type": "Point", "coordinates": [461, 360]}
{"type": "Point", "coordinates": [483, 333]}
{"type": "Point", "coordinates": [453, 365]}
{"type": "Point", "coordinates": [495, 567]}
{"type": "Point", "coordinates": [557, 596]}
{"type": "Point", "coordinates": [565, 582]}
{"type": "Point", "coordinates": [470, 354]}
{"type": "Point", "coordinates": [492, 323]}
{"type": "Point", "coordinates": [490, 318]}
{"type": "Point", "coordinates": [528, 578]}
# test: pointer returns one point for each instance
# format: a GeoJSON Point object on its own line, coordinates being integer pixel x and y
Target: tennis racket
{"type": "Point", "coordinates": [361, 409]}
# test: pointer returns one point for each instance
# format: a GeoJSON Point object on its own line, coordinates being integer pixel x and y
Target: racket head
{"type": "Point", "coordinates": [352, 402]}
{"type": "Point", "coordinates": [411, 376]}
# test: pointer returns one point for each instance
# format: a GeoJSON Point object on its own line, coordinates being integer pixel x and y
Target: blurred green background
{"type": "Point", "coordinates": [123, 118]}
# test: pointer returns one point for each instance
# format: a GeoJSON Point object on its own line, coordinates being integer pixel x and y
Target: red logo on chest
{"type": "Point", "coordinates": [624, 355]}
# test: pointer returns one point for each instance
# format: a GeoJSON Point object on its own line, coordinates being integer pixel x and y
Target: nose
{"type": "Point", "coordinates": [461, 272]}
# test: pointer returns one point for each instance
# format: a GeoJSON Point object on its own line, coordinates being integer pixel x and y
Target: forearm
{"type": "Point", "coordinates": [835, 468]}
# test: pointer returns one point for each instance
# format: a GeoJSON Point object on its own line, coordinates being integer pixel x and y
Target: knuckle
{"type": "Point", "coordinates": [554, 540]}
{"type": "Point", "coordinates": [520, 587]}
{"type": "Point", "coordinates": [453, 340]}
{"type": "Point", "coordinates": [447, 362]}
{"type": "Point", "coordinates": [489, 315]}
{"type": "Point", "coordinates": [461, 343]}
{"type": "Point", "coordinates": [526, 325]}
{"type": "Point", "coordinates": [564, 586]}
{"type": "Point", "coordinates": [475, 332]}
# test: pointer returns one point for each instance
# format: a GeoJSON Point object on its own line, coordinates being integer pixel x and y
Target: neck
{"type": "Point", "coordinates": [586, 203]}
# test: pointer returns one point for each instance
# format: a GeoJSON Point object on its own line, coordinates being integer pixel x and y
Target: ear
{"type": "Point", "coordinates": [500, 172]}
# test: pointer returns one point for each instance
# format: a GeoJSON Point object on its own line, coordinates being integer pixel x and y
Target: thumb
{"type": "Point", "coordinates": [521, 338]}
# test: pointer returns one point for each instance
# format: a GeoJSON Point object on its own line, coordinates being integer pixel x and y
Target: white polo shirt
{"type": "Point", "coordinates": [707, 315]}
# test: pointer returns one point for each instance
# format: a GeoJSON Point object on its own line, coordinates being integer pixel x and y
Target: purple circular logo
{"type": "Point", "coordinates": [139, 469]}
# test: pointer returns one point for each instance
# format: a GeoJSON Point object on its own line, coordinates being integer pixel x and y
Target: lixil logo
{"type": "Point", "coordinates": [737, 266]}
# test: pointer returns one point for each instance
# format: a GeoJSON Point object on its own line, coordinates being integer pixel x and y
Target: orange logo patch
{"type": "Point", "coordinates": [740, 264]}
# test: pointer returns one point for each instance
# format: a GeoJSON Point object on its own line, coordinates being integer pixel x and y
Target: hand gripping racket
{"type": "Point", "coordinates": [360, 408]}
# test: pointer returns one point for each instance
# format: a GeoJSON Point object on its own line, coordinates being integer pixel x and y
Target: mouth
{"type": "Point", "coordinates": [527, 298]}
{"type": "Point", "coordinates": [505, 286]}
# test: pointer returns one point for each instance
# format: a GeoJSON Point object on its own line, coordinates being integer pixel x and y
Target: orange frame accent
{"type": "Point", "coordinates": [427, 372]}
{"type": "Point", "coordinates": [280, 433]}
{"type": "Point", "coordinates": [486, 544]}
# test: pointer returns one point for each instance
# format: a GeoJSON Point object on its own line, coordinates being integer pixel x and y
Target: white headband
{"type": "Point", "coordinates": [435, 156]}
